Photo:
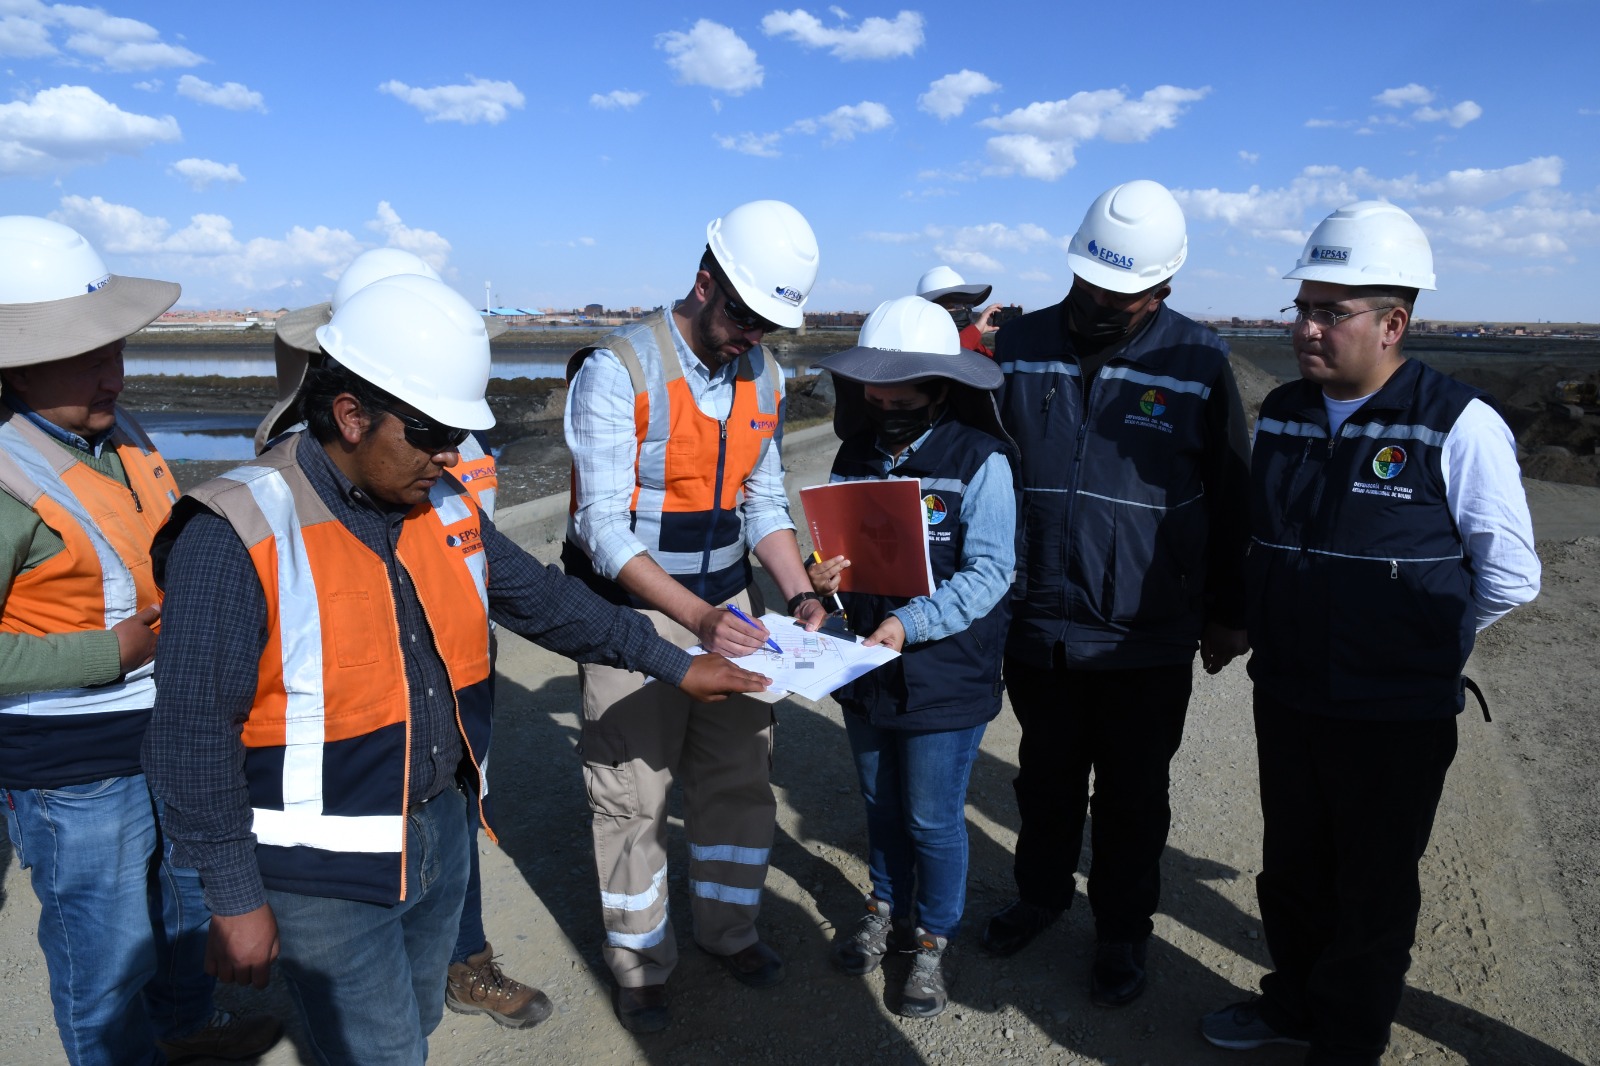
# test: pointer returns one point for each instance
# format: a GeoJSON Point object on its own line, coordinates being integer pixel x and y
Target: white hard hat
{"type": "Point", "coordinates": [909, 339]}
{"type": "Point", "coordinates": [420, 341]}
{"type": "Point", "coordinates": [769, 253]}
{"type": "Point", "coordinates": [941, 281]}
{"type": "Point", "coordinates": [1367, 243]}
{"type": "Point", "coordinates": [1132, 239]}
{"type": "Point", "coordinates": [375, 264]}
{"type": "Point", "coordinates": [57, 299]}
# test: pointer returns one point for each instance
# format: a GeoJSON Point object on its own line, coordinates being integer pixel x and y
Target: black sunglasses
{"type": "Point", "coordinates": [742, 316]}
{"type": "Point", "coordinates": [431, 437]}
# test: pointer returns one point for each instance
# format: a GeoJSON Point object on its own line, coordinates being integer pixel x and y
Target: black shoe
{"type": "Point", "coordinates": [643, 1009]}
{"type": "Point", "coordinates": [1117, 977]}
{"type": "Point", "coordinates": [1014, 926]}
{"type": "Point", "coordinates": [757, 965]}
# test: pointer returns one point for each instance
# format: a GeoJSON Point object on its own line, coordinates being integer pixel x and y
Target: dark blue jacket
{"type": "Point", "coordinates": [1360, 594]}
{"type": "Point", "coordinates": [1134, 499]}
{"type": "Point", "coordinates": [953, 682]}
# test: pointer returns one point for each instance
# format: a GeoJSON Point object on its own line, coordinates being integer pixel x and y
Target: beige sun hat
{"type": "Point", "coordinates": [57, 299]}
{"type": "Point", "coordinates": [295, 342]}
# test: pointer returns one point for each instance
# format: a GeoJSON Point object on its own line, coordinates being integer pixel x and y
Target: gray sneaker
{"type": "Point", "coordinates": [1239, 1026]}
{"type": "Point", "coordinates": [861, 950]}
{"type": "Point", "coordinates": [932, 973]}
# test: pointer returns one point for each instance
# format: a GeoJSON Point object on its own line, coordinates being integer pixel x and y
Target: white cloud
{"type": "Point", "coordinates": [213, 262]}
{"type": "Point", "coordinates": [120, 44]}
{"type": "Point", "coordinates": [150, 85]}
{"type": "Point", "coordinates": [201, 173]}
{"type": "Point", "coordinates": [230, 95]}
{"type": "Point", "coordinates": [1404, 96]}
{"type": "Point", "coordinates": [71, 126]}
{"type": "Point", "coordinates": [1250, 158]}
{"type": "Point", "coordinates": [1541, 222]}
{"type": "Point", "coordinates": [947, 97]}
{"type": "Point", "coordinates": [1038, 141]}
{"type": "Point", "coordinates": [1456, 116]}
{"type": "Point", "coordinates": [764, 145]}
{"type": "Point", "coordinates": [480, 100]}
{"type": "Point", "coordinates": [616, 99]}
{"type": "Point", "coordinates": [1329, 123]}
{"type": "Point", "coordinates": [966, 257]}
{"type": "Point", "coordinates": [712, 55]}
{"type": "Point", "coordinates": [844, 122]}
{"type": "Point", "coordinates": [874, 38]}
{"type": "Point", "coordinates": [887, 237]}
{"type": "Point", "coordinates": [427, 245]}
{"type": "Point", "coordinates": [24, 38]}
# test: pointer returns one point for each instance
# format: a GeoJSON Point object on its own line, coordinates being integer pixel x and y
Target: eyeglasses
{"type": "Point", "coordinates": [1323, 318]}
{"type": "Point", "coordinates": [742, 316]}
{"type": "Point", "coordinates": [431, 437]}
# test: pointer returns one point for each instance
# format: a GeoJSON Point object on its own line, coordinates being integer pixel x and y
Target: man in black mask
{"type": "Point", "coordinates": [1134, 526]}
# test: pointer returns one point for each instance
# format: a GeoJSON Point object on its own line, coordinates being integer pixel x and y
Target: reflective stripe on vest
{"type": "Point", "coordinates": [476, 471]}
{"type": "Point", "coordinates": [102, 575]}
{"type": "Point", "coordinates": [691, 468]}
{"type": "Point", "coordinates": [332, 677]}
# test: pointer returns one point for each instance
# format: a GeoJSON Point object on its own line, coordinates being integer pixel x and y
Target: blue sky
{"type": "Point", "coordinates": [574, 153]}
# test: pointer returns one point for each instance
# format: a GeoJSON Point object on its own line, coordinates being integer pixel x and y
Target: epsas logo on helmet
{"type": "Point", "coordinates": [1106, 255]}
{"type": "Point", "coordinates": [784, 292]}
{"type": "Point", "coordinates": [1328, 254]}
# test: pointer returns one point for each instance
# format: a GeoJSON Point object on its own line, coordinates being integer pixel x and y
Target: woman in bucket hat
{"type": "Point", "coordinates": [913, 403]}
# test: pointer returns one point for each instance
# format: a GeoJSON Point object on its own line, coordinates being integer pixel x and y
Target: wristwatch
{"type": "Point", "coordinates": [794, 604]}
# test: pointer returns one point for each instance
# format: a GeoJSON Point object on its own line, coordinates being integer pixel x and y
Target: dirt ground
{"type": "Point", "coordinates": [1505, 969]}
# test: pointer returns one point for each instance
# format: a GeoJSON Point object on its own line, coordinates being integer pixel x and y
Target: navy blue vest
{"type": "Point", "coordinates": [954, 682]}
{"type": "Point", "coordinates": [1360, 595]}
{"type": "Point", "coordinates": [1115, 522]}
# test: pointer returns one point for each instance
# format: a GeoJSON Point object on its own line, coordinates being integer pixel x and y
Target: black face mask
{"type": "Point", "coordinates": [896, 429]}
{"type": "Point", "coordinates": [962, 315]}
{"type": "Point", "coordinates": [1092, 324]}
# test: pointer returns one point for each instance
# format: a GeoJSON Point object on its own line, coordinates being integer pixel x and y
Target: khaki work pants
{"type": "Point", "coordinates": [637, 739]}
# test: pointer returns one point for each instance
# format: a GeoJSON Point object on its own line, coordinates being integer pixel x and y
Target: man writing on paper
{"type": "Point", "coordinates": [674, 426]}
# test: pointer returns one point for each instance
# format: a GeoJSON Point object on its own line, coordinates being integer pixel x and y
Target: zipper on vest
{"type": "Point", "coordinates": [1394, 569]}
{"type": "Point", "coordinates": [716, 502]}
{"type": "Point", "coordinates": [137, 506]}
{"type": "Point", "coordinates": [1047, 398]}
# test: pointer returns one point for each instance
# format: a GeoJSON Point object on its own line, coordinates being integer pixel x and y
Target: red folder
{"type": "Point", "coordinates": [880, 526]}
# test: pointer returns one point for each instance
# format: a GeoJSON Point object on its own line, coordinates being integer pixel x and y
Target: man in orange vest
{"type": "Point", "coordinates": [323, 720]}
{"type": "Point", "coordinates": [82, 490]}
{"type": "Point", "coordinates": [475, 983]}
{"type": "Point", "coordinates": [674, 426]}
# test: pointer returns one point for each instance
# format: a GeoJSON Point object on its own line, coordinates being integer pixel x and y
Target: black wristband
{"type": "Point", "coordinates": [794, 604]}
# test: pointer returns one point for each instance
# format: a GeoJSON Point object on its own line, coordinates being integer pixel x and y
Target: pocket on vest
{"type": "Point", "coordinates": [355, 629]}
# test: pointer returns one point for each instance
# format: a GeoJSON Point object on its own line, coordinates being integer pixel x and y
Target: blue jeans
{"type": "Point", "coordinates": [915, 787]}
{"type": "Point", "coordinates": [369, 978]}
{"type": "Point", "coordinates": [122, 930]}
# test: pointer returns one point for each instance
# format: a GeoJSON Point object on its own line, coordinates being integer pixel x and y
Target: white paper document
{"type": "Point", "coordinates": [811, 664]}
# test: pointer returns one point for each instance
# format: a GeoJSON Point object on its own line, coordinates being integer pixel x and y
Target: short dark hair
{"type": "Point", "coordinates": [325, 381]}
{"type": "Point", "coordinates": [1390, 296]}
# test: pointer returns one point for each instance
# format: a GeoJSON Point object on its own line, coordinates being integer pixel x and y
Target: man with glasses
{"type": "Point", "coordinates": [1134, 480]}
{"type": "Point", "coordinates": [1389, 526]}
{"type": "Point", "coordinates": [674, 425]}
{"type": "Point", "coordinates": [322, 720]}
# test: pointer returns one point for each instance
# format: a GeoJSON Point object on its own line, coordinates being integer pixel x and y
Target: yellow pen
{"type": "Point", "coordinates": [838, 604]}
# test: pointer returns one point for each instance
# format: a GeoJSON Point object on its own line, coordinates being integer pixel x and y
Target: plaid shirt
{"type": "Point", "coordinates": [213, 630]}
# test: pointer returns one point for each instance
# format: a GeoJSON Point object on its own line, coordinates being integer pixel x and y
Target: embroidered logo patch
{"type": "Point", "coordinates": [764, 425]}
{"type": "Point", "coordinates": [935, 508]}
{"type": "Point", "coordinates": [1153, 403]}
{"type": "Point", "coordinates": [1390, 460]}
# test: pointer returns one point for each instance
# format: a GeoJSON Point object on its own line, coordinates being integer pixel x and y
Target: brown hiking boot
{"type": "Point", "coordinates": [229, 1035]}
{"type": "Point", "coordinates": [479, 986]}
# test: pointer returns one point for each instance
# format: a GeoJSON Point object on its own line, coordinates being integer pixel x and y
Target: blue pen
{"type": "Point", "coordinates": [741, 616]}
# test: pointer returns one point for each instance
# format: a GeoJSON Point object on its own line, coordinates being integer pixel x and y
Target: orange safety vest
{"type": "Point", "coordinates": [690, 469]}
{"type": "Point", "coordinates": [476, 471]}
{"type": "Point", "coordinates": [327, 739]}
{"type": "Point", "coordinates": [102, 575]}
